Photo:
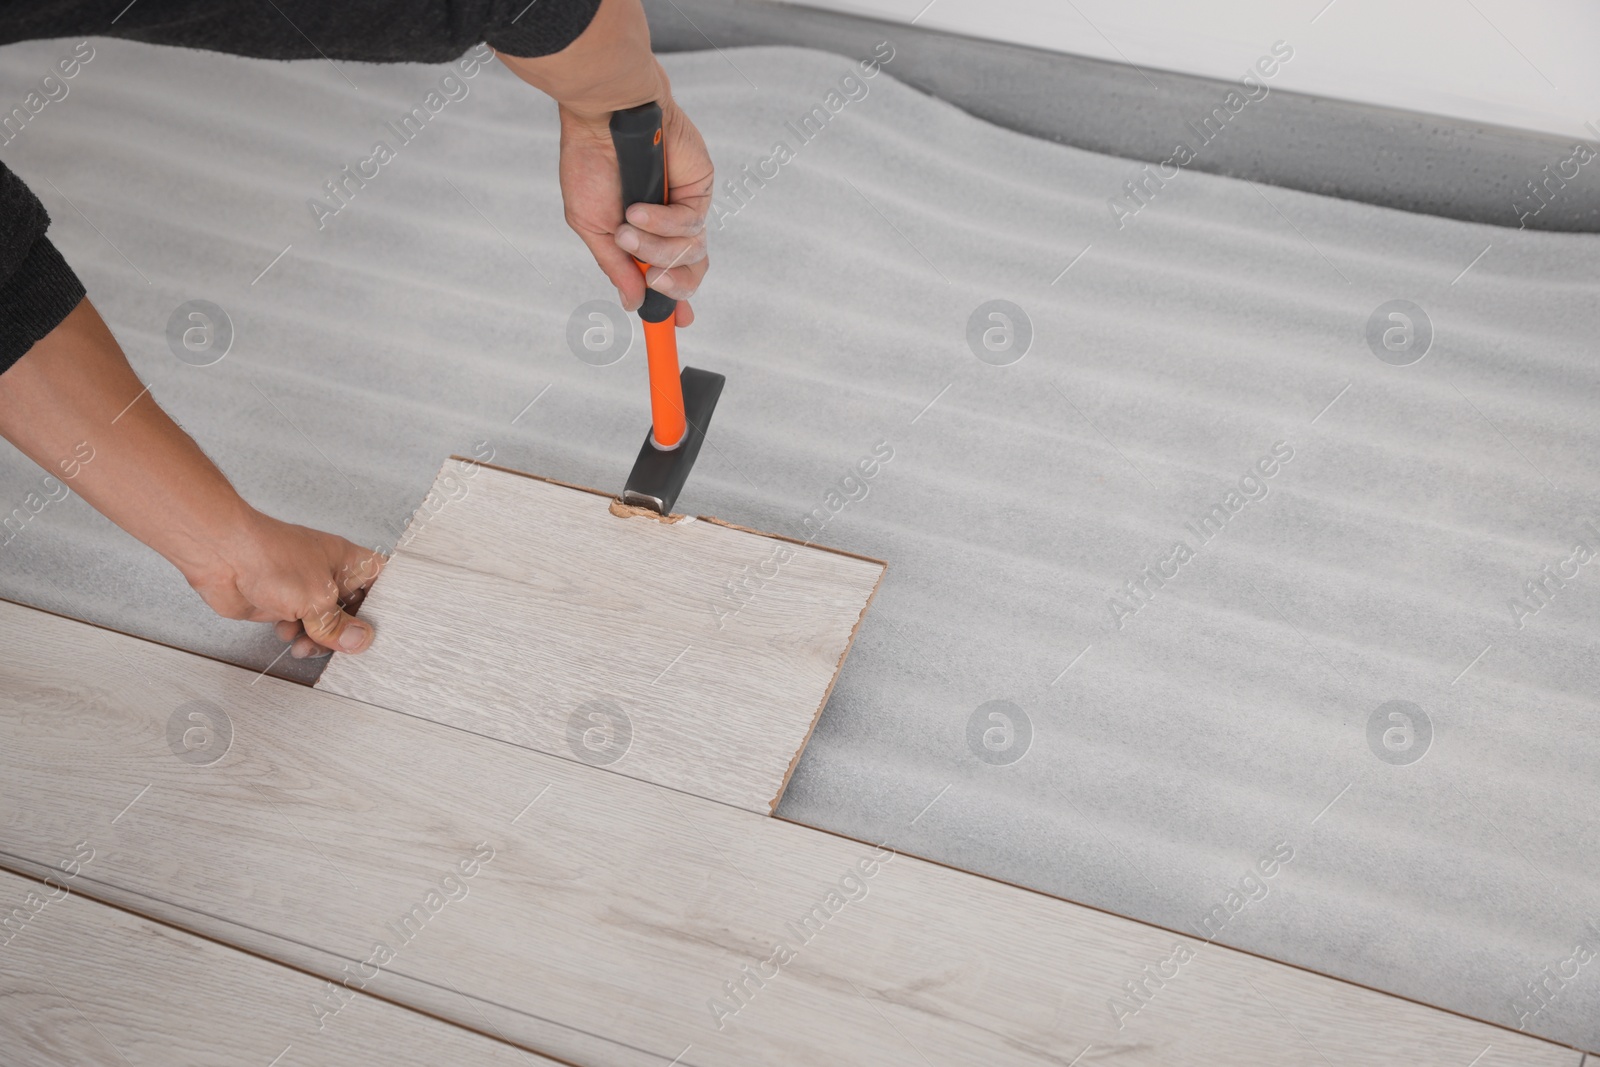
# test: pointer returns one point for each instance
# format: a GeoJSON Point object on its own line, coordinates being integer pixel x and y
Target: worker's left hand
{"type": "Point", "coordinates": [670, 237]}
{"type": "Point", "coordinates": [305, 581]}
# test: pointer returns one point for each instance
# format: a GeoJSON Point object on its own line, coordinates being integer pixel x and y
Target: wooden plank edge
{"type": "Point", "coordinates": [816, 716]}
{"type": "Point", "coordinates": [149, 640]}
{"type": "Point", "coordinates": [9, 863]}
{"type": "Point", "coordinates": [771, 807]}
{"type": "Point", "coordinates": [1190, 937]}
{"type": "Point", "coordinates": [698, 518]}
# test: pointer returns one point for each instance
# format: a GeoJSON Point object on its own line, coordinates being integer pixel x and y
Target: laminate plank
{"type": "Point", "coordinates": [691, 654]}
{"type": "Point", "coordinates": [609, 920]}
{"type": "Point", "coordinates": [84, 983]}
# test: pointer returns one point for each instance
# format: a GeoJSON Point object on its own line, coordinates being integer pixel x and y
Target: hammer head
{"type": "Point", "coordinates": [659, 473]}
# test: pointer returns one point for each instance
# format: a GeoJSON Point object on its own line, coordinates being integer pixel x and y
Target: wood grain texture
{"type": "Point", "coordinates": [691, 654]}
{"type": "Point", "coordinates": [83, 983]}
{"type": "Point", "coordinates": [613, 916]}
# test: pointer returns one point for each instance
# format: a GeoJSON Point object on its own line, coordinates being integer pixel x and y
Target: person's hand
{"type": "Point", "coordinates": [608, 68]}
{"type": "Point", "coordinates": [299, 578]}
{"type": "Point", "coordinates": [74, 406]}
{"type": "Point", "coordinates": [670, 237]}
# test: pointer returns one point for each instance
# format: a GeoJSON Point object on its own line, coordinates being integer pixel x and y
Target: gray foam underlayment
{"type": "Point", "coordinates": [1228, 715]}
{"type": "Point", "coordinates": [1453, 167]}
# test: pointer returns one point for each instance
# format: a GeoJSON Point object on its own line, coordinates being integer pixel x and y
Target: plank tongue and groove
{"type": "Point", "coordinates": [606, 920]}
{"type": "Point", "coordinates": [84, 983]}
{"type": "Point", "coordinates": [691, 654]}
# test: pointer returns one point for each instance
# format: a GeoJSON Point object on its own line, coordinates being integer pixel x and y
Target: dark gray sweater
{"type": "Point", "coordinates": [38, 289]}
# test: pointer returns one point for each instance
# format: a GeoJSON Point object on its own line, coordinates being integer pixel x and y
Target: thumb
{"type": "Point", "coordinates": [332, 628]}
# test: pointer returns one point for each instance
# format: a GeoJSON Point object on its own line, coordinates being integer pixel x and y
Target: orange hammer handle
{"type": "Point", "coordinates": [666, 390]}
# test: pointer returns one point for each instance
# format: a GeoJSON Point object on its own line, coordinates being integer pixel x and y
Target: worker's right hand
{"type": "Point", "coordinates": [294, 576]}
{"type": "Point", "coordinates": [670, 238]}
{"type": "Point", "coordinates": [609, 68]}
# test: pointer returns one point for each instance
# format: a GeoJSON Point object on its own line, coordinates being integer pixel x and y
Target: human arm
{"type": "Point", "coordinates": [592, 56]}
{"type": "Point", "coordinates": [74, 406]}
{"type": "Point", "coordinates": [68, 382]}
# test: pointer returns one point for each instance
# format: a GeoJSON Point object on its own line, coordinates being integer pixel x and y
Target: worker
{"type": "Point", "coordinates": [67, 391]}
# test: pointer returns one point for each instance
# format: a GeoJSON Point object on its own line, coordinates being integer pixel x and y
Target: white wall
{"type": "Point", "coordinates": [1533, 64]}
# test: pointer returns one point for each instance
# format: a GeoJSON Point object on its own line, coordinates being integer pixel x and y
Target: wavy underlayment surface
{"type": "Point", "coordinates": [1208, 723]}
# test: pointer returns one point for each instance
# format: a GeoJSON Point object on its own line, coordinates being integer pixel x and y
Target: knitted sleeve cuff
{"type": "Point", "coordinates": [39, 294]}
{"type": "Point", "coordinates": [541, 28]}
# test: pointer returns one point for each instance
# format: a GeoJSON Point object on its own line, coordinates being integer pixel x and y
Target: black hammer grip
{"type": "Point", "coordinates": [642, 161]}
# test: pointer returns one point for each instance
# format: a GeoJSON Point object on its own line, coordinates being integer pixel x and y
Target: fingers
{"type": "Point", "coordinates": [326, 624]}
{"type": "Point", "coordinates": [330, 626]}
{"type": "Point", "coordinates": [300, 646]}
{"type": "Point", "coordinates": [658, 250]}
{"type": "Point", "coordinates": [669, 220]}
{"type": "Point", "coordinates": [356, 572]}
{"type": "Point", "coordinates": [680, 283]}
{"type": "Point", "coordinates": [291, 633]}
{"type": "Point", "coordinates": [305, 582]}
{"type": "Point", "coordinates": [618, 267]}
{"type": "Point", "coordinates": [668, 239]}
{"type": "Point", "coordinates": [677, 280]}
{"type": "Point", "coordinates": [334, 629]}
{"type": "Point", "coordinates": [671, 239]}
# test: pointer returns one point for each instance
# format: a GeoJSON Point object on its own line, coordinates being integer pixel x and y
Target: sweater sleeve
{"type": "Point", "coordinates": [541, 28]}
{"type": "Point", "coordinates": [373, 31]}
{"type": "Point", "coordinates": [37, 288]}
